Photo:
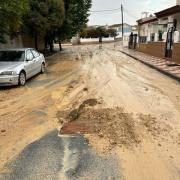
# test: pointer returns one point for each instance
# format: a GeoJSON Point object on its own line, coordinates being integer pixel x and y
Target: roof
{"type": "Point", "coordinates": [147, 20]}
{"type": "Point", "coordinates": [169, 11]}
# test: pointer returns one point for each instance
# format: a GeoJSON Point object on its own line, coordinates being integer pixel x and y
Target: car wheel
{"type": "Point", "coordinates": [22, 79]}
{"type": "Point", "coordinates": [43, 68]}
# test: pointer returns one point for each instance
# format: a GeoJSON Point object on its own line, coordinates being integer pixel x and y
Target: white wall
{"type": "Point", "coordinates": [177, 16]}
{"type": "Point", "coordinates": [89, 40]}
{"type": "Point", "coordinates": [144, 30]}
{"type": "Point", "coordinates": [86, 40]}
{"type": "Point", "coordinates": [147, 29]}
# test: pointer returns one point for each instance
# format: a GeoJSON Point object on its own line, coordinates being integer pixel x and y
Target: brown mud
{"type": "Point", "coordinates": [121, 106]}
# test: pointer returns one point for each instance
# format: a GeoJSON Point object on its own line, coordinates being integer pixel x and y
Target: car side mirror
{"type": "Point", "coordinates": [28, 59]}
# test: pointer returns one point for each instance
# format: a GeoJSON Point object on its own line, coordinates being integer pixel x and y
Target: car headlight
{"type": "Point", "coordinates": [8, 73]}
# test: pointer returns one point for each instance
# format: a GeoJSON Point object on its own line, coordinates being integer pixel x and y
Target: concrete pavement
{"type": "Point", "coordinates": [166, 67]}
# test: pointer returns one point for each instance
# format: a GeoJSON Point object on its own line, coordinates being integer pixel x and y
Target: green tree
{"type": "Point", "coordinates": [76, 18]}
{"type": "Point", "coordinates": [43, 19]}
{"type": "Point", "coordinates": [11, 12]}
{"type": "Point", "coordinates": [101, 33]}
{"type": "Point", "coordinates": [89, 33]}
{"type": "Point", "coordinates": [55, 20]}
{"type": "Point", "coordinates": [112, 32]}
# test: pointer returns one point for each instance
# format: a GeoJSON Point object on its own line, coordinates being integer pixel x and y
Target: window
{"type": "Point", "coordinates": [152, 37]}
{"type": "Point", "coordinates": [142, 39]}
{"type": "Point", "coordinates": [29, 55]}
{"type": "Point", "coordinates": [35, 53]}
{"type": "Point", "coordinates": [175, 23]}
{"type": "Point", "coordinates": [11, 56]}
{"type": "Point", "coordinates": [160, 35]}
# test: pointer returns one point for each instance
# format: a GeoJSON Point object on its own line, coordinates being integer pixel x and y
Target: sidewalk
{"type": "Point", "coordinates": [164, 66]}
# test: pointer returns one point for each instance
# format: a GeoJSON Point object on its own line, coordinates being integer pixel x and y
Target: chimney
{"type": "Point", "coordinates": [177, 2]}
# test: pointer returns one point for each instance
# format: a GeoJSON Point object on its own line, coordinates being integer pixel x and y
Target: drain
{"type": "Point", "coordinates": [74, 127]}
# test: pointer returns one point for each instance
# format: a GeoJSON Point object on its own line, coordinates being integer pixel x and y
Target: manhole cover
{"type": "Point", "coordinates": [76, 128]}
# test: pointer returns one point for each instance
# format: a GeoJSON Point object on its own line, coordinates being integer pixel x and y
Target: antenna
{"type": "Point", "coordinates": [144, 14]}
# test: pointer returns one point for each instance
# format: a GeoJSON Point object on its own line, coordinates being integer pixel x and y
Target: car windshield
{"type": "Point", "coordinates": [11, 56]}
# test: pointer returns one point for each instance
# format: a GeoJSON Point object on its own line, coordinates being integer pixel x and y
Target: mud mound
{"type": "Point", "coordinates": [113, 124]}
{"type": "Point", "coordinates": [74, 114]}
{"type": "Point", "coordinates": [155, 127]}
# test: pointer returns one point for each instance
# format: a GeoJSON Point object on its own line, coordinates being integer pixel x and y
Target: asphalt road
{"type": "Point", "coordinates": [53, 157]}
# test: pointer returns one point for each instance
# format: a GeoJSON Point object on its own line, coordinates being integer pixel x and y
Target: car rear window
{"type": "Point", "coordinates": [12, 56]}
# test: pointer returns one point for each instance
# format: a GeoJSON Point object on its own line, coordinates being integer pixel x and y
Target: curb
{"type": "Point", "coordinates": [154, 67]}
{"type": "Point", "coordinates": [52, 55]}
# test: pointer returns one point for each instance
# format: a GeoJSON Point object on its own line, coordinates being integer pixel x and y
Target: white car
{"type": "Point", "coordinates": [18, 65]}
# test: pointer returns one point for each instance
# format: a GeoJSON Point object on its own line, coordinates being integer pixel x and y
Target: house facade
{"type": "Point", "coordinates": [147, 27]}
{"type": "Point", "coordinates": [159, 35]}
{"type": "Point", "coordinates": [126, 28]}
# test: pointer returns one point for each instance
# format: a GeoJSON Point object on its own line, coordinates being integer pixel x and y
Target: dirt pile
{"type": "Point", "coordinates": [113, 124]}
{"type": "Point", "coordinates": [74, 114]}
{"type": "Point", "coordinates": [156, 128]}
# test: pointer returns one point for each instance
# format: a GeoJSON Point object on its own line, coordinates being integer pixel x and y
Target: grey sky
{"type": "Point", "coordinates": [133, 9]}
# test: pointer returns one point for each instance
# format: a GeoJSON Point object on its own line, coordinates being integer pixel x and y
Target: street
{"type": "Point", "coordinates": [95, 114]}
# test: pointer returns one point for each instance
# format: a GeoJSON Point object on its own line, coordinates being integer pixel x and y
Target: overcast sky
{"type": "Point", "coordinates": [132, 8]}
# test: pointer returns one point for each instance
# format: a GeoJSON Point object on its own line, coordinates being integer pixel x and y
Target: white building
{"type": "Point", "coordinates": [147, 27]}
{"type": "Point", "coordinates": [159, 35]}
{"type": "Point", "coordinates": [155, 28]}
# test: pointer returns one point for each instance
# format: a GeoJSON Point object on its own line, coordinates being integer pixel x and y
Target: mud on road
{"type": "Point", "coordinates": [27, 113]}
{"type": "Point", "coordinates": [137, 117]}
{"type": "Point", "coordinates": [122, 107]}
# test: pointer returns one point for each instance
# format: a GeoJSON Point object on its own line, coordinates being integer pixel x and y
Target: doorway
{"type": "Point", "coordinates": [169, 42]}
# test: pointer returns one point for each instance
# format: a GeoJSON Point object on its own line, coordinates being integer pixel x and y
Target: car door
{"type": "Point", "coordinates": [29, 66]}
{"type": "Point", "coordinates": [37, 60]}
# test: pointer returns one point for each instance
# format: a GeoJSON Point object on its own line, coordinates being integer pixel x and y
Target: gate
{"type": "Point", "coordinates": [132, 41]}
{"type": "Point", "coordinates": [169, 42]}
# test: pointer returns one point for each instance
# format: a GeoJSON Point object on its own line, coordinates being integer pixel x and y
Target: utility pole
{"type": "Point", "coordinates": [122, 16]}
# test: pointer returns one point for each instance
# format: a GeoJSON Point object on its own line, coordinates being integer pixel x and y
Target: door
{"type": "Point", "coordinates": [134, 41]}
{"type": "Point", "coordinates": [29, 67]}
{"type": "Point", "coordinates": [131, 41]}
{"type": "Point", "coordinates": [169, 43]}
{"type": "Point", "coordinates": [37, 61]}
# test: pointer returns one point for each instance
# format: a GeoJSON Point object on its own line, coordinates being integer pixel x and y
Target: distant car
{"type": "Point", "coordinates": [18, 65]}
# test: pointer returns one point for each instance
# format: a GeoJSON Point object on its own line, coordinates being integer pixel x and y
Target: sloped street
{"type": "Point", "coordinates": [94, 107]}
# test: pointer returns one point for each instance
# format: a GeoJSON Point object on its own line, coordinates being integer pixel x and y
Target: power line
{"type": "Point", "coordinates": [117, 9]}
{"type": "Point", "coordinates": [130, 14]}
{"type": "Point", "coordinates": [106, 10]}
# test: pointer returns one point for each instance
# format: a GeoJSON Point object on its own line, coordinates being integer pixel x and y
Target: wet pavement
{"type": "Point", "coordinates": [65, 157]}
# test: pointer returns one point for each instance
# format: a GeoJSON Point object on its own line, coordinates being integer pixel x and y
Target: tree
{"type": "Point", "coordinates": [112, 32]}
{"type": "Point", "coordinates": [101, 33]}
{"type": "Point", "coordinates": [34, 21]}
{"type": "Point", "coordinates": [55, 21]}
{"type": "Point", "coordinates": [11, 12]}
{"type": "Point", "coordinates": [89, 33]}
{"type": "Point", "coordinates": [42, 19]}
{"type": "Point", "coordinates": [76, 18]}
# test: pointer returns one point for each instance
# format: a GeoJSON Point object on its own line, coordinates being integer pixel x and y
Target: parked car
{"type": "Point", "coordinates": [18, 65]}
